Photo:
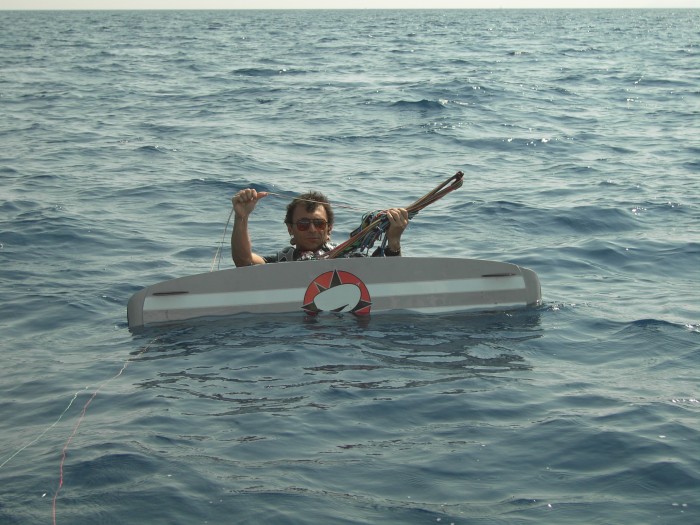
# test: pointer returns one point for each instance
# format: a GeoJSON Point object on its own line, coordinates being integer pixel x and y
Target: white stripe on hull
{"type": "Point", "coordinates": [193, 301]}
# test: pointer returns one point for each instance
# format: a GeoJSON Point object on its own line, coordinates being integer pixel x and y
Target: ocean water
{"type": "Point", "coordinates": [123, 136]}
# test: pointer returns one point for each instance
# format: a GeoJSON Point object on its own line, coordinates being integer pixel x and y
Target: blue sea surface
{"type": "Point", "coordinates": [123, 136]}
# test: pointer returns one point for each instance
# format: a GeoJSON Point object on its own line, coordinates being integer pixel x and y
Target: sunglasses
{"type": "Point", "coordinates": [304, 224]}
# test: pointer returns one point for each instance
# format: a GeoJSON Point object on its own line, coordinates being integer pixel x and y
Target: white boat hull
{"type": "Point", "coordinates": [359, 285]}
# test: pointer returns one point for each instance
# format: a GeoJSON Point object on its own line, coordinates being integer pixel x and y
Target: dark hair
{"type": "Point", "coordinates": [311, 200]}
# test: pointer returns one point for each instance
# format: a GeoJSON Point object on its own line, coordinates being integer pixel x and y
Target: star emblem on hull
{"type": "Point", "coordinates": [337, 291]}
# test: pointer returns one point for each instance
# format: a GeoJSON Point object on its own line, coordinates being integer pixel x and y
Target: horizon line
{"type": "Point", "coordinates": [629, 8]}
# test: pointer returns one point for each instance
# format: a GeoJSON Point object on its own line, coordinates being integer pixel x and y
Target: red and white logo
{"type": "Point", "coordinates": [337, 291]}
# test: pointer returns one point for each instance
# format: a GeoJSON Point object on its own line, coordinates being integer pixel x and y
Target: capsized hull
{"type": "Point", "coordinates": [359, 285]}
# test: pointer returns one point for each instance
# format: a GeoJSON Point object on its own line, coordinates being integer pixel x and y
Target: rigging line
{"type": "Point", "coordinates": [64, 451]}
{"type": "Point", "coordinates": [217, 256]}
{"type": "Point", "coordinates": [379, 221]}
{"type": "Point", "coordinates": [332, 203]}
{"type": "Point", "coordinates": [75, 396]}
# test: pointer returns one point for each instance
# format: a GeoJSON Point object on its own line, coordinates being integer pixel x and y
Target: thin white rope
{"type": "Point", "coordinates": [217, 256]}
{"type": "Point", "coordinates": [75, 396]}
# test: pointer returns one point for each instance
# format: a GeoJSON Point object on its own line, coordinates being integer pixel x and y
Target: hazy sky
{"type": "Point", "coordinates": [329, 4]}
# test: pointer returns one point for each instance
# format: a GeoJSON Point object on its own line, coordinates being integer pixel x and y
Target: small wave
{"type": "Point", "coordinates": [579, 219]}
{"type": "Point", "coordinates": [111, 468]}
{"type": "Point", "coordinates": [8, 170]}
{"type": "Point", "coordinates": [576, 52]}
{"type": "Point", "coordinates": [419, 104]}
{"type": "Point", "coordinates": [19, 206]}
{"type": "Point", "coordinates": [152, 149]}
{"type": "Point", "coordinates": [264, 72]}
{"type": "Point", "coordinates": [594, 219]}
{"type": "Point", "coordinates": [648, 328]}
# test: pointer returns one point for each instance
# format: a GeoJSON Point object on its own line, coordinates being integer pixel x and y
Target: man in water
{"type": "Point", "coordinates": [309, 222]}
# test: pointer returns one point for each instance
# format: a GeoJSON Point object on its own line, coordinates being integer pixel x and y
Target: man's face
{"type": "Point", "coordinates": [309, 228]}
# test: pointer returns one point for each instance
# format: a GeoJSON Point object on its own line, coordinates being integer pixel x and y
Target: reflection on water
{"type": "Point", "coordinates": [278, 363]}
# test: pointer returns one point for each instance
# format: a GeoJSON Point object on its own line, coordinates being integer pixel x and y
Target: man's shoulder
{"type": "Point", "coordinates": [285, 254]}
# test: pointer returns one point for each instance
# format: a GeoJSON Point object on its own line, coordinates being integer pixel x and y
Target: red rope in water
{"type": "Point", "coordinates": [64, 451]}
